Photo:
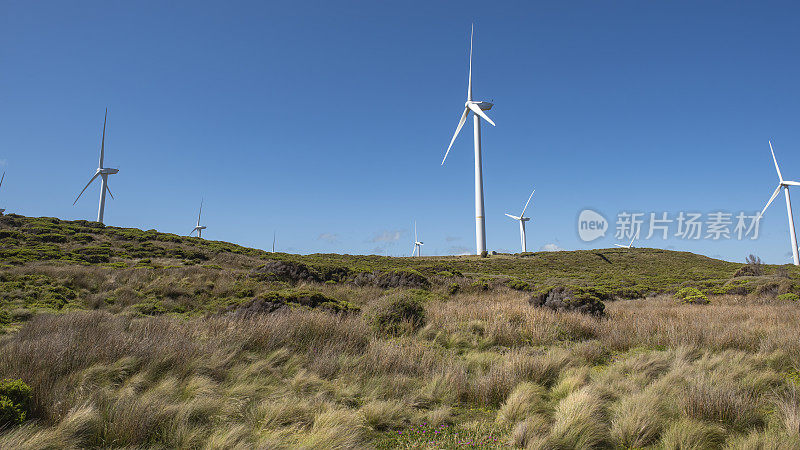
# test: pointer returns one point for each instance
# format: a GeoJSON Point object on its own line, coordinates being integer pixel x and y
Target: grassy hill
{"type": "Point", "coordinates": [50, 264]}
{"type": "Point", "coordinates": [131, 338]}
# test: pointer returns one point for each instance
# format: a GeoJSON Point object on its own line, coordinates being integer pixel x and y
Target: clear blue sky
{"type": "Point", "coordinates": [327, 121]}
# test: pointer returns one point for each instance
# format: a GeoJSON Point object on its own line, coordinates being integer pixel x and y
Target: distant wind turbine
{"type": "Point", "coordinates": [417, 243]}
{"type": "Point", "coordinates": [630, 244]}
{"type": "Point", "coordinates": [103, 173]}
{"type": "Point", "coordinates": [477, 108]}
{"type": "Point", "coordinates": [198, 227]}
{"type": "Point", "coordinates": [784, 184]}
{"type": "Point", "coordinates": [274, 233]}
{"type": "Point", "coordinates": [522, 219]}
{"type": "Point", "coordinates": [2, 210]}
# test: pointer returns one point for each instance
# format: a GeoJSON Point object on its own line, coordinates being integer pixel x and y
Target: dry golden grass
{"type": "Point", "coordinates": [652, 373]}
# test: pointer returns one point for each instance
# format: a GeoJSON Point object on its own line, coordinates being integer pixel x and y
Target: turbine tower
{"type": "Point", "coordinates": [417, 243]}
{"type": "Point", "coordinates": [522, 219]}
{"type": "Point", "coordinates": [2, 210]}
{"type": "Point", "coordinates": [103, 173]}
{"type": "Point", "coordinates": [477, 108]}
{"type": "Point", "coordinates": [198, 227]}
{"type": "Point", "coordinates": [784, 184]}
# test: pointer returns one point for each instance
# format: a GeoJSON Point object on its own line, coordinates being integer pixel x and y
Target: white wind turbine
{"type": "Point", "coordinates": [630, 244]}
{"type": "Point", "coordinates": [522, 219]}
{"type": "Point", "coordinates": [417, 243]}
{"type": "Point", "coordinates": [2, 210]}
{"type": "Point", "coordinates": [477, 107]}
{"type": "Point", "coordinates": [103, 173]}
{"type": "Point", "coordinates": [198, 227]}
{"type": "Point", "coordinates": [784, 184]}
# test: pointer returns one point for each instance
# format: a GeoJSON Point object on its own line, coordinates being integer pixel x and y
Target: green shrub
{"type": "Point", "coordinates": [585, 300]}
{"type": "Point", "coordinates": [789, 296]}
{"type": "Point", "coordinates": [481, 284]}
{"type": "Point", "coordinates": [397, 313]}
{"type": "Point", "coordinates": [15, 402]}
{"type": "Point", "coordinates": [518, 285]}
{"type": "Point", "coordinates": [691, 295]}
{"type": "Point", "coordinates": [453, 288]}
{"type": "Point", "coordinates": [5, 318]}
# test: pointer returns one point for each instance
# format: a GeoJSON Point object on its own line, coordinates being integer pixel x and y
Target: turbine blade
{"type": "Point", "coordinates": [780, 177]}
{"type": "Point", "coordinates": [103, 142]}
{"type": "Point", "coordinates": [771, 199]}
{"type": "Point", "coordinates": [792, 183]}
{"type": "Point", "coordinates": [2, 178]}
{"type": "Point", "coordinates": [480, 113]}
{"type": "Point", "coordinates": [458, 128]}
{"type": "Point", "coordinates": [632, 239]}
{"type": "Point", "coordinates": [108, 189]}
{"type": "Point", "coordinates": [526, 204]}
{"type": "Point", "coordinates": [201, 212]}
{"type": "Point", "coordinates": [622, 246]}
{"type": "Point", "coordinates": [87, 185]}
{"type": "Point", "coordinates": [469, 84]}
{"type": "Point", "coordinates": [513, 217]}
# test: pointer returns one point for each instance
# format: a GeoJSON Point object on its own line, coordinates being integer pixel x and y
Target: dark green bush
{"type": "Point", "coordinates": [481, 284]}
{"type": "Point", "coordinates": [453, 288]}
{"type": "Point", "coordinates": [582, 299]}
{"type": "Point", "coordinates": [397, 314]}
{"type": "Point", "coordinates": [518, 285]}
{"type": "Point", "coordinates": [789, 296]}
{"type": "Point", "coordinates": [15, 402]}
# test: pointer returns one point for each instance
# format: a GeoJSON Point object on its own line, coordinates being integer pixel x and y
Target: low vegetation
{"type": "Point", "coordinates": [126, 338]}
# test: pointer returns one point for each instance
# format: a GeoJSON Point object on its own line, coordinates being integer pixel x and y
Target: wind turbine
{"type": "Point", "coordinates": [522, 219]}
{"type": "Point", "coordinates": [417, 243]}
{"type": "Point", "coordinates": [199, 228]}
{"type": "Point", "coordinates": [103, 173]}
{"type": "Point", "coordinates": [2, 210]}
{"type": "Point", "coordinates": [274, 234]}
{"type": "Point", "coordinates": [784, 184]}
{"type": "Point", "coordinates": [630, 244]}
{"type": "Point", "coordinates": [477, 108]}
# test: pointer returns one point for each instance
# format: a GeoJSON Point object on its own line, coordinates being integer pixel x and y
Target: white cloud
{"type": "Point", "coordinates": [452, 238]}
{"type": "Point", "coordinates": [459, 250]}
{"type": "Point", "coordinates": [328, 237]}
{"type": "Point", "coordinates": [387, 236]}
{"type": "Point", "coordinates": [551, 247]}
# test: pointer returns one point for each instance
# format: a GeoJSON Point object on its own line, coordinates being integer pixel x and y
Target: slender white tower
{"type": "Point", "coordinates": [417, 243]}
{"type": "Point", "coordinates": [477, 108]}
{"type": "Point", "coordinates": [2, 210]}
{"type": "Point", "coordinates": [784, 185]}
{"type": "Point", "coordinates": [199, 228]}
{"type": "Point", "coordinates": [522, 219]}
{"type": "Point", "coordinates": [103, 173]}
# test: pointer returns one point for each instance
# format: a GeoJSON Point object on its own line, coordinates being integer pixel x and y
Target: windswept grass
{"type": "Point", "coordinates": [305, 378]}
{"type": "Point", "coordinates": [139, 339]}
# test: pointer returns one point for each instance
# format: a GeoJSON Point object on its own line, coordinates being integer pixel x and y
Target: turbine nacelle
{"type": "Point", "coordinates": [107, 171]}
{"type": "Point", "coordinates": [521, 219]}
{"type": "Point", "coordinates": [484, 106]}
